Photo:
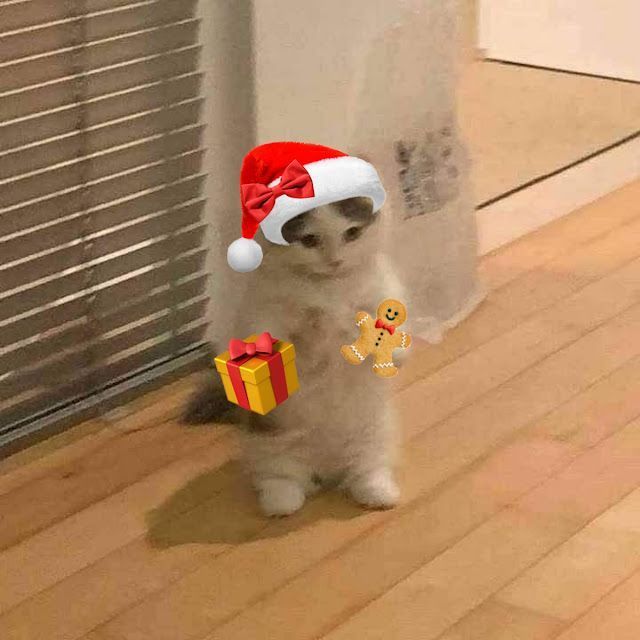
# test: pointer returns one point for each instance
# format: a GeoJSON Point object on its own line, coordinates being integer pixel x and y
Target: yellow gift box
{"type": "Point", "coordinates": [260, 382]}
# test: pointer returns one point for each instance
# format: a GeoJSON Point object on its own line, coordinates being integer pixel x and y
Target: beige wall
{"type": "Point", "coordinates": [315, 69]}
{"type": "Point", "coordinates": [228, 64]}
{"type": "Point", "coordinates": [361, 75]}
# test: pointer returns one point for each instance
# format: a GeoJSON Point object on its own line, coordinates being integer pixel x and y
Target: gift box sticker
{"type": "Point", "coordinates": [258, 373]}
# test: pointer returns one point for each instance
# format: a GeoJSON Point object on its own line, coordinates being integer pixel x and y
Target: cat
{"type": "Point", "coordinates": [339, 429]}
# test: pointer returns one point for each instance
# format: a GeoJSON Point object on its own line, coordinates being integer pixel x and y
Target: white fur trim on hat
{"type": "Point", "coordinates": [334, 179]}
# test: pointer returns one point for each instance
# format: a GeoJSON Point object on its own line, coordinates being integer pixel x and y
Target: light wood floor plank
{"type": "Point", "coordinates": [433, 598]}
{"type": "Point", "coordinates": [567, 583]}
{"type": "Point", "coordinates": [528, 343]}
{"type": "Point", "coordinates": [577, 574]}
{"type": "Point", "coordinates": [141, 446]}
{"type": "Point", "coordinates": [433, 457]}
{"type": "Point", "coordinates": [491, 485]}
{"type": "Point", "coordinates": [529, 296]}
{"type": "Point", "coordinates": [35, 461]}
{"type": "Point", "coordinates": [496, 621]}
{"type": "Point", "coordinates": [582, 226]}
{"type": "Point", "coordinates": [615, 617]}
{"type": "Point", "coordinates": [70, 545]}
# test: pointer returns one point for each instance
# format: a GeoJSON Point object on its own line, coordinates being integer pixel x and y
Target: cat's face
{"type": "Point", "coordinates": [328, 242]}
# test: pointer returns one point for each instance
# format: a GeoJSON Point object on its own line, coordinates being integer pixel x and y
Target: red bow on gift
{"type": "Point", "coordinates": [387, 327]}
{"type": "Point", "coordinates": [239, 348]}
{"type": "Point", "coordinates": [259, 199]}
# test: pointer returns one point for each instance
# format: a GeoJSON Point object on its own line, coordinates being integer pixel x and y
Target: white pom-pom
{"type": "Point", "coordinates": [244, 255]}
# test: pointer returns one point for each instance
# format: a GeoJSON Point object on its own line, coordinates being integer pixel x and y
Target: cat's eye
{"type": "Point", "coordinates": [310, 240]}
{"type": "Point", "coordinates": [352, 233]}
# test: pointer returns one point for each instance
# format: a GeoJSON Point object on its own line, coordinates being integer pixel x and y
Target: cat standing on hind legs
{"type": "Point", "coordinates": [334, 440]}
{"type": "Point", "coordinates": [339, 428]}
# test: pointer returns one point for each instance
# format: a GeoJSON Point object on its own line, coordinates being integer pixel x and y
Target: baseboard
{"type": "Point", "coordinates": [525, 210]}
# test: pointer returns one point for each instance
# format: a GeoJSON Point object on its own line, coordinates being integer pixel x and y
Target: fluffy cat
{"type": "Point", "coordinates": [339, 428]}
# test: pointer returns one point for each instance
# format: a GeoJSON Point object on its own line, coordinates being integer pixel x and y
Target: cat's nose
{"type": "Point", "coordinates": [334, 264]}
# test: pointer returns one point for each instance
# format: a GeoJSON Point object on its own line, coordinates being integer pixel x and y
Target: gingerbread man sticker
{"type": "Point", "coordinates": [379, 338]}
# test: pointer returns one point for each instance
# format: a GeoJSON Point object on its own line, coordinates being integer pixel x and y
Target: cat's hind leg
{"type": "Point", "coordinates": [282, 483]}
{"type": "Point", "coordinates": [376, 489]}
{"type": "Point", "coordinates": [372, 456]}
{"type": "Point", "coordinates": [280, 496]}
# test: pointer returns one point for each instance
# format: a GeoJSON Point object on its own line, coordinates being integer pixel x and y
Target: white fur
{"type": "Point", "coordinates": [340, 425]}
{"type": "Point", "coordinates": [376, 489]}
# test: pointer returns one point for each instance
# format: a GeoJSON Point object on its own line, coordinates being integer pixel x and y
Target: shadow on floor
{"type": "Point", "coordinates": [220, 507]}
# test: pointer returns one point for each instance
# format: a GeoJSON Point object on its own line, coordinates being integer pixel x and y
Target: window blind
{"type": "Point", "coordinates": [102, 230]}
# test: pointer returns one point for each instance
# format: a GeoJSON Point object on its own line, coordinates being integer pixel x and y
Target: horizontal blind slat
{"type": "Point", "coordinates": [19, 377]}
{"type": "Point", "coordinates": [28, 431]}
{"type": "Point", "coordinates": [67, 231]}
{"type": "Point", "coordinates": [50, 124]}
{"type": "Point", "coordinates": [85, 143]}
{"type": "Point", "coordinates": [46, 398]}
{"type": "Point", "coordinates": [73, 337]}
{"type": "Point", "coordinates": [145, 153]}
{"type": "Point", "coordinates": [36, 343]}
{"type": "Point", "coordinates": [71, 256]}
{"type": "Point", "coordinates": [108, 299]}
{"type": "Point", "coordinates": [19, 14]}
{"type": "Point", "coordinates": [101, 193]}
{"type": "Point", "coordinates": [154, 200]}
{"type": "Point", "coordinates": [153, 53]}
{"type": "Point", "coordinates": [63, 35]}
{"type": "Point", "coordinates": [105, 81]}
{"type": "Point", "coordinates": [28, 13]}
{"type": "Point", "coordinates": [71, 283]}
{"type": "Point", "coordinates": [100, 169]}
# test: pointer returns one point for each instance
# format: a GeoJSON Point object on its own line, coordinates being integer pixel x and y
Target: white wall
{"type": "Point", "coordinates": [590, 36]}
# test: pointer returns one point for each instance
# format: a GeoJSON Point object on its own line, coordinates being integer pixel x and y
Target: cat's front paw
{"type": "Point", "coordinates": [376, 489]}
{"type": "Point", "coordinates": [280, 496]}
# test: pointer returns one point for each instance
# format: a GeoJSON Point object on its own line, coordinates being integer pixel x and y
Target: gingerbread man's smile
{"type": "Point", "coordinates": [386, 315]}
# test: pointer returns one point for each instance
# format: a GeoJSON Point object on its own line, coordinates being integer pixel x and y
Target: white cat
{"type": "Point", "coordinates": [339, 428]}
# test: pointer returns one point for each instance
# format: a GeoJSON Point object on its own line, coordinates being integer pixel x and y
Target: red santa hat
{"type": "Point", "coordinates": [281, 180]}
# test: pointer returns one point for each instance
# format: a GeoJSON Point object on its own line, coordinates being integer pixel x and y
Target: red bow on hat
{"type": "Point", "coordinates": [382, 325]}
{"type": "Point", "coordinates": [239, 348]}
{"type": "Point", "coordinates": [259, 199]}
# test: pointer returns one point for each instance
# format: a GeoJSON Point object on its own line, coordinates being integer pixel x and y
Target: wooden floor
{"type": "Point", "coordinates": [520, 517]}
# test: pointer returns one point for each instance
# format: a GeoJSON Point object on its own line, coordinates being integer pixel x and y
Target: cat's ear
{"type": "Point", "coordinates": [404, 150]}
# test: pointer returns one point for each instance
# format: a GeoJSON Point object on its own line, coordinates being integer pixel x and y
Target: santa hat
{"type": "Point", "coordinates": [281, 180]}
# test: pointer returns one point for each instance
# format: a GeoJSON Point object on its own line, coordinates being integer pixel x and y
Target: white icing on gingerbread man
{"type": "Point", "coordinates": [379, 337]}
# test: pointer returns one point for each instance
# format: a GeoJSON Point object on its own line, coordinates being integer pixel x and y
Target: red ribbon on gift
{"type": "Point", "coordinates": [262, 348]}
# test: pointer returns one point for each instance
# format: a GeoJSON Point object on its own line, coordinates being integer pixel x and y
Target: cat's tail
{"type": "Point", "coordinates": [209, 403]}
